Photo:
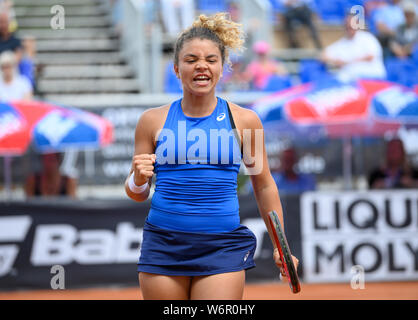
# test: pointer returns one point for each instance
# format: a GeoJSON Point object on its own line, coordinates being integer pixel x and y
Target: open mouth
{"type": "Point", "coordinates": [201, 79]}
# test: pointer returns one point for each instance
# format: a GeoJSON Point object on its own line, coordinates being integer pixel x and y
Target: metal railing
{"type": "Point", "coordinates": [142, 46]}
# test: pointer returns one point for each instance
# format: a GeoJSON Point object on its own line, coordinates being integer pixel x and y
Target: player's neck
{"type": "Point", "coordinates": [198, 106]}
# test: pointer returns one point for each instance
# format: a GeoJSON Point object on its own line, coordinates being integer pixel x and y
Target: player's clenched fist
{"type": "Point", "coordinates": [143, 165]}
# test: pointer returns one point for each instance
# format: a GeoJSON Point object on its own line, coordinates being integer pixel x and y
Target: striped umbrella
{"type": "Point", "coordinates": [50, 128]}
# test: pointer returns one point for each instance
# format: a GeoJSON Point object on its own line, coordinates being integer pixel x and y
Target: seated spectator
{"type": "Point", "coordinates": [7, 7]}
{"type": "Point", "coordinates": [27, 63]}
{"type": "Point", "coordinates": [406, 36]}
{"type": "Point", "coordinates": [232, 78]}
{"type": "Point", "coordinates": [386, 21]}
{"type": "Point", "coordinates": [288, 179]}
{"type": "Point", "coordinates": [395, 172]}
{"type": "Point", "coordinates": [370, 6]}
{"type": "Point", "coordinates": [50, 182]}
{"type": "Point", "coordinates": [298, 11]}
{"type": "Point", "coordinates": [8, 41]}
{"type": "Point", "coordinates": [24, 50]}
{"type": "Point", "coordinates": [286, 176]}
{"type": "Point", "coordinates": [13, 86]}
{"type": "Point", "coordinates": [259, 71]}
{"type": "Point", "coordinates": [234, 11]}
{"type": "Point", "coordinates": [357, 55]}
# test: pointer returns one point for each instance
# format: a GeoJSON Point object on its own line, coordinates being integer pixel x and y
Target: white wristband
{"type": "Point", "coordinates": [133, 187]}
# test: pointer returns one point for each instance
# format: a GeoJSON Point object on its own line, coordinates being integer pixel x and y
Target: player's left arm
{"type": "Point", "coordinates": [255, 159]}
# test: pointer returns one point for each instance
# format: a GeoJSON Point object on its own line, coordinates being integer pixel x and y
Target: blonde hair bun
{"type": "Point", "coordinates": [219, 28]}
{"type": "Point", "coordinates": [228, 31]}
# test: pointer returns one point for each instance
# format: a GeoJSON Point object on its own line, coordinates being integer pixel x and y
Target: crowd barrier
{"type": "Point", "coordinates": [96, 242]}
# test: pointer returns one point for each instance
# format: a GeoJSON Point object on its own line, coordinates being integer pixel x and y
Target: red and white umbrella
{"type": "Point", "coordinates": [365, 108]}
{"type": "Point", "coordinates": [50, 128]}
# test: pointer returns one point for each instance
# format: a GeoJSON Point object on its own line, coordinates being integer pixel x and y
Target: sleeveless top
{"type": "Point", "coordinates": [197, 164]}
{"type": "Point", "coordinates": [62, 189]}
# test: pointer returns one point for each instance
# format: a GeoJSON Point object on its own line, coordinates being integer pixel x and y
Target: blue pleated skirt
{"type": "Point", "coordinates": [179, 253]}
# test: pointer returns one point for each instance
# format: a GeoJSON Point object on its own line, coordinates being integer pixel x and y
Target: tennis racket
{"type": "Point", "coordinates": [284, 252]}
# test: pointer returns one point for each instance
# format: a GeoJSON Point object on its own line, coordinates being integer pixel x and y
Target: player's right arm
{"type": "Point", "coordinates": [144, 157]}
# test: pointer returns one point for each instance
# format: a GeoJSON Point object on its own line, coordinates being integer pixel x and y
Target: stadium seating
{"type": "Point", "coordinates": [312, 70]}
{"type": "Point", "coordinates": [331, 12]}
{"type": "Point", "coordinates": [212, 5]}
{"type": "Point", "coordinates": [171, 83]}
{"type": "Point", "coordinates": [276, 5]}
{"type": "Point", "coordinates": [277, 83]}
{"type": "Point", "coordinates": [403, 71]}
{"type": "Point", "coordinates": [415, 54]}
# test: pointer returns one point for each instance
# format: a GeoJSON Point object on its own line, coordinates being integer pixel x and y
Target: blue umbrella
{"type": "Point", "coordinates": [396, 104]}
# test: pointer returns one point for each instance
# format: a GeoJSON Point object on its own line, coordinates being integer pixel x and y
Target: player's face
{"type": "Point", "coordinates": [199, 66]}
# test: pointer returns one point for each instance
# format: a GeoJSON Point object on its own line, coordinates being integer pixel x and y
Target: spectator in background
{"type": "Point", "coordinates": [371, 5]}
{"type": "Point", "coordinates": [263, 67]}
{"type": "Point", "coordinates": [13, 86]}
{"type": "Point", "coordinates": [396, 172]}
{"type": "Point", "coordinates": [27, 63]}
{"type": "Point", "coordinates": [171, 9]}
{"type": "Point", "coordinates": [117, 15]}
{"type": "Point", "coordinates": [234, 11]}
{"type": "Point", "coordinates": [298, 11]}
{"type": "Point", "coordinates": [288, 179]}
{"type": "Point", "coordinates": [8, 41]}
{"type": "Point", "coordinates": [50, 182]}
{"type": "Point", "coordinates": [7, 7]}
{"type": "Point", "coordinates": [233, 78]}
{"type": "Point", "coordinates": [386, 21]}
{"type": "Point", "coordinates": [357, 55]}
{"type": "Point", "coordinates": [406, 37]}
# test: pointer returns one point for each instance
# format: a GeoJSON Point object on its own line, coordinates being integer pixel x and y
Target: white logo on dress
{"type": "Point", "coordinates": [221, 117]}
{"type": "Point", "coordinates": [246, 256]}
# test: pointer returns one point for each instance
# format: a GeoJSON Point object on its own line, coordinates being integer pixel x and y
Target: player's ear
{"type": "Point", "coordinates": [176, 71]}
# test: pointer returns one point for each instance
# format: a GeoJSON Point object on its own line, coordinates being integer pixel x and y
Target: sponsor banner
{"type": "Point", "coordinates": [111, 164]}
{"type": "Point", "coordinates": [376, 232]}
{"type": "Point", "coordinates": [96, 242]}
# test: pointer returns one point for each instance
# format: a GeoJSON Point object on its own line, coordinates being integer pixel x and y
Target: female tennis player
{"type": "Point", "coordinates": [194, 246]}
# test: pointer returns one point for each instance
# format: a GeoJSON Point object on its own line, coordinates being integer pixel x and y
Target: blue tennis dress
{"type": "Point", "coordinates": [193, 227]}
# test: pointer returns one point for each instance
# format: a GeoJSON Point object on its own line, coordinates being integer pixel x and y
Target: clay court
{"type": "Point", "coordinates": [264, 291]}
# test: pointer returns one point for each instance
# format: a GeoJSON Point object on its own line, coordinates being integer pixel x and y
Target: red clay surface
{"type": "Point", "coordinates": [265, 291]}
